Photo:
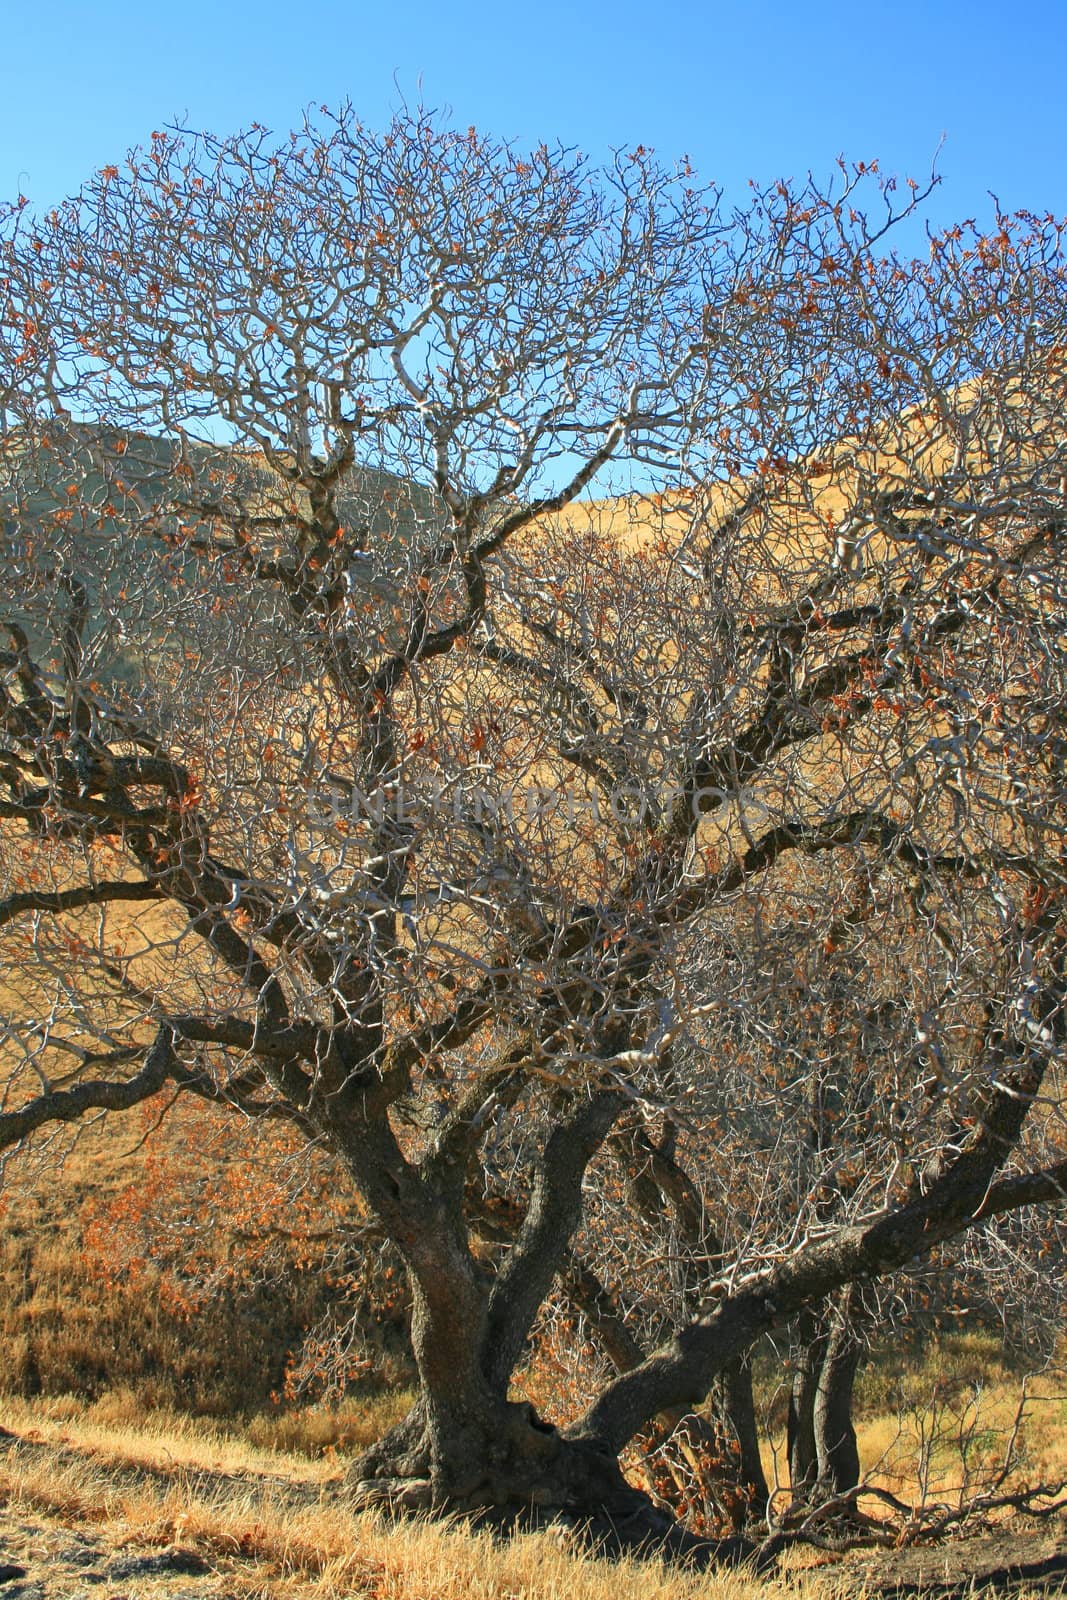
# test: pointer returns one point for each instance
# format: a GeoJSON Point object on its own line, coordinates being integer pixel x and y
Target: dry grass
{"type": "Point", "coordinates": [274, 1523]}
{"type": "Point", "coordinates": [120, 1427]}
{"type": "Point", "coordinates": [941, 1423]}
{"type": "Point", "coordinates": [263, 1540]}
{"type": "Point", "coordinates": [155, 1263]}
{"type": "Point", "coordinates": [950, 1443]}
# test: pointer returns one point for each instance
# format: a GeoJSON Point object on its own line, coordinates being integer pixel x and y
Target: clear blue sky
{"type": "Point", "coordinates": [760, 90]}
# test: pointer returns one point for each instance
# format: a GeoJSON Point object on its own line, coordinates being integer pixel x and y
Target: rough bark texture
{"type": "Point", "coordinates": [801, 1445]}
{"type": "Point", "coordinates": [821, 1438]}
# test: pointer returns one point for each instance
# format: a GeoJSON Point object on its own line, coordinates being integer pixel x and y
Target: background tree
{"type": "Point", "coordinates": [358, 773]}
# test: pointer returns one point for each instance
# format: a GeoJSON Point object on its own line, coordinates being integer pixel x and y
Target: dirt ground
{"type": "Point", "coordinates": [1023, 1559]}
{"type": "Point", "coordinates": [42, 1559]}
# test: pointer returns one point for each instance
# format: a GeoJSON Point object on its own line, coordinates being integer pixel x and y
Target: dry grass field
{"type": "Point", "coordinates": [146, 1261]}
{"type": "Point", "coordinates": [198, 1509]}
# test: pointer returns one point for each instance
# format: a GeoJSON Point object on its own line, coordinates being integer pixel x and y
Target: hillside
{"type": "Point", "coordinates": [107, 499]}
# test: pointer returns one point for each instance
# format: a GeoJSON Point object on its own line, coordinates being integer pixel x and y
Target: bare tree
{"type": "Point", "coordinates": [359, 772]}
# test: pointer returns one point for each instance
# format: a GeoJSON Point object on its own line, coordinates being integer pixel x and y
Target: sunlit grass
{"type": "Point", "coordinates": [303, 1444]}
{"type": "Point", "coordinates": [270, 1512]}
{"type": "Point", "coordinates": [263, 1543]}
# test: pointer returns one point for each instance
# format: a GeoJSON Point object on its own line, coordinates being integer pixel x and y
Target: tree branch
{"type": "Point", "coordinates": [68, 1105]}
{"type": "Point", "coordinates": [552, 1216]}
{"type": "Point", "coordinates": [681, 1372]}
{"type": "Point", "coordinates": [90, 894]}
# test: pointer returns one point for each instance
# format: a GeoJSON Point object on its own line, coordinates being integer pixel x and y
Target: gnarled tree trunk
{"type": "Point", "coordinates": [801, 1445]}
{"type": "Point", "coordinates": [465, 1446]}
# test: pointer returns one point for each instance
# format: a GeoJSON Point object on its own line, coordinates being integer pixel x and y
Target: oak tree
{"type": "Point", "coordinates": [655, 898]}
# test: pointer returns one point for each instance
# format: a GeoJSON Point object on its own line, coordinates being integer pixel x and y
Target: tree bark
{"type": "Point", "coordinates": [506, 1469]}
{"type": "Point", "coordinates": [821, 1438]}
{"type": "Point", "coordinates": [801, 1444]}
{"type": "Point", "coordinates": [735, 1410]}
{"type": "Point", "coordinates": [837, 1453]}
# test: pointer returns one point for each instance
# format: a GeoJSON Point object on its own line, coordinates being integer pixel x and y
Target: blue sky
{"type": "Point", "coordinates": [759, 90]}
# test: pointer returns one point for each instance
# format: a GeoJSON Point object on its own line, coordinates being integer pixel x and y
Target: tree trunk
{"type": "Point", "coordinates": [801, 1444]}
{"type": "Point", "coordinates": [835, 1436]}
{"type": "Point", "coordinates": [735, 1411]}
{"type": "Point", "coordinates": [465, 1447]}
{"type": "Point", "coordinates": [823, 1453]}
{"type": "Point", "coordinates": [507, 1469]}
